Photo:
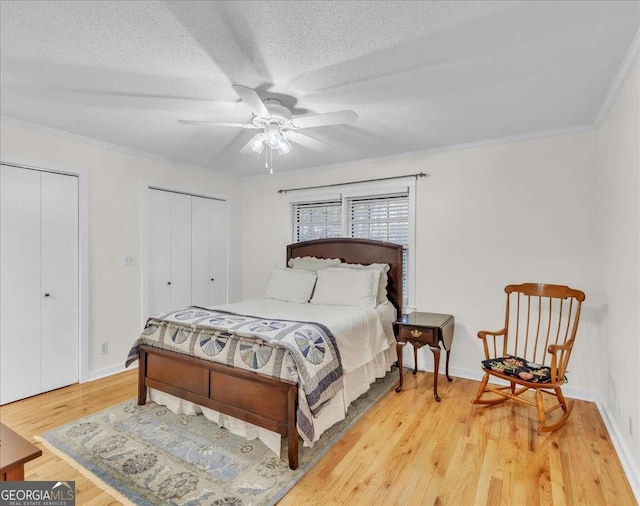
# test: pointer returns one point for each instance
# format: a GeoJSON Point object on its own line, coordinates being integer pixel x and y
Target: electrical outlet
{"type": "Point", "coordinates": [128, 260]}
{"type": "Point", "coordinates": [104, 348]}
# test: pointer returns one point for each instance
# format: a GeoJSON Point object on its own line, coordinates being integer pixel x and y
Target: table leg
{"type": "Point", "coordinates": [436, 367]}
{"type": "Point", "coordinates": [399, 347]}
{"type": "Point", "coordinates": [415, 358]}
{"type": "Point", "coordinates": [16, 473]}
{"type": "Point", "coordinates": [447, 368]}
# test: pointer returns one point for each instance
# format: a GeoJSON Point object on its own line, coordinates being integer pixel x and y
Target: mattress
{"type": "Point", "coordinates": [361, 333]}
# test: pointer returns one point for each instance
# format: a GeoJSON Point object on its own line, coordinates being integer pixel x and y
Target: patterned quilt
{"type": "Point", "coordinates": [303, 352]}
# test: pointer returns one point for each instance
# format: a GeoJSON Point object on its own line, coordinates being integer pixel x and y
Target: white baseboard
{"type": "Point", "coordinates": [622, 449]}
{"type": "Point", "coordinates": [107, 371]}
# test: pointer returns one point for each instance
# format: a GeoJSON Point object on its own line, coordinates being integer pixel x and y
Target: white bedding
{"type": "Point", "coordinates": [364, 337]}
{"type": "Point", "coordinates": [361, 332]}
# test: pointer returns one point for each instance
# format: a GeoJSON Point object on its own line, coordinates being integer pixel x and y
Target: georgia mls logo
{"type": "Point", "coordinates": [38, 493]}
{"type": "Point", "coordinates": [64, 484]}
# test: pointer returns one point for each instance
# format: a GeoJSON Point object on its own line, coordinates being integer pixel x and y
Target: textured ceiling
{"type": "Point", "coordinates": [420, 75]}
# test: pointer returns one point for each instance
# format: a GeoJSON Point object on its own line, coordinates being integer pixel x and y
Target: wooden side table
{"type": "Point", "coordinates": [14, 452]}
{"type": "Point", "coordinates": [424, 329]}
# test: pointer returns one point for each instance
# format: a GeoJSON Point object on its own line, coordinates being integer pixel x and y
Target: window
{"type": "Point", "coordinates": [317, 220]}
{"type": "Point", "coordinates": [382, 218]}
{"type": "Point", "coordinates": [381, 214]}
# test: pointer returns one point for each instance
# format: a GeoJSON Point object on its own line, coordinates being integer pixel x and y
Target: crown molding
{"type": "Point", "coordinates": [628, 63]}
{"type": "Point", "coordinates": [107, 145]}
{"type": "Point", "coordinates": [411, 154]}
{"type": "Point", "coordinates": [587, 127]}
{"type": "Point", "coordinates": [77, 137]}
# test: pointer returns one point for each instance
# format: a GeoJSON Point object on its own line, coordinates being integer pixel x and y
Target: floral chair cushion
{"type": "Point", "coordinates": [517, 367]}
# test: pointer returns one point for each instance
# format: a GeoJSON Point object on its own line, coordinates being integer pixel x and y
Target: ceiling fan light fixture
{"type": "Point", "coordinates": [284, 147]}
{"type": "Point", "coordinates": [273, 137]}
{"type": "Point", "coordinates": [257, 143]}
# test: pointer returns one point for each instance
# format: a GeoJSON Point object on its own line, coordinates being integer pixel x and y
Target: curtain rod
{"type": "Point", "coordinates": [420, 174]}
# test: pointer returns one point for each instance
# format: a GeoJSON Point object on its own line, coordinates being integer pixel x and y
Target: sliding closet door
{"type": "Point", "coordinates": [39, 293]}
{"type": "Point", "coordinates": [169, 256]}
{"type": "Point", "coordinates": [209, 252]}
{"type": "Point", "coordinates": [20, 287]}
{"type": "Point", "coordinates": [218, 245]}
{"type": "Point", "coordinates": [59, 260]}
{"type": "Point", "coordinates": [187, 251]}
{"type": "Point", "coordinates": [201, 273]}
{"type": "Point", "coordinates": [180, 250]}
{"type": "Point", "coordinates": [159, 254]}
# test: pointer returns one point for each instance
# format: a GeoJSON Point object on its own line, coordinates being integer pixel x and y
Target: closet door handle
{"type": "Point", "coordinates": [47, 294]}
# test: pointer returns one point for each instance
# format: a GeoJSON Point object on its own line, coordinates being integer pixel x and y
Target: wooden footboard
{"type": "Point", "coordinates": [262, 400]}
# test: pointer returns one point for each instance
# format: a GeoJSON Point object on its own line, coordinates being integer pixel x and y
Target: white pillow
{"type": "Point", "coordinates": [346, 287]}
{"type": "Point", "coordinates": [313, 263]}
{"type": "Point", "coordinates": [382, 269]}
{"type": "Point", "coordinates": [291, 285]}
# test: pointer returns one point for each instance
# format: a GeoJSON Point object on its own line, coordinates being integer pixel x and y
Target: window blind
{"type": "Point", "coordinates": [382, 218]}
{"type": "Point", "coordinates": [316, 220]}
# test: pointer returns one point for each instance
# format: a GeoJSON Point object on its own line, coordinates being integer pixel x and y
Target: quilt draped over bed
{"type": "Point", "coordinates": [303, 352]}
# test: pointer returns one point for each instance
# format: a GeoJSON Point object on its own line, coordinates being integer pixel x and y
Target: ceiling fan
{"type": "Point", "coordinates": [276, 124]}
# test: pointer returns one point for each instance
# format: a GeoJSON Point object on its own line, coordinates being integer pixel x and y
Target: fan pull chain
{"type": "Point", "coordinates": [267, 164]}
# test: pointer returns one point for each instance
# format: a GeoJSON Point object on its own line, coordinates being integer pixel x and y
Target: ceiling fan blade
{"type": "Point", "coordinates": [253, 101]}
{"type": "Point", "coordinates": [329, 118]}
{"type": "Point", "coordinates": [216, 123]}
{"type": "Point", "coordinates": [246, 148]}
{"type": "Point", "coordinates": [306, 141]}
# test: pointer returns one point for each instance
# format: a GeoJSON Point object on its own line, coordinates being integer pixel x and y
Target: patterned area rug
{"type": "Point", "coordinates": [149, 456]}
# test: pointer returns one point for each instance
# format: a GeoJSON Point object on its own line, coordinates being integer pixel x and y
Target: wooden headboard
{"type": "Point", "coordinates": [358, 251]}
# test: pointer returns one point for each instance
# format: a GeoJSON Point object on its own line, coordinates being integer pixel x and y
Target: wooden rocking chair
{"type": "Point", "coordinates": [533, 349]}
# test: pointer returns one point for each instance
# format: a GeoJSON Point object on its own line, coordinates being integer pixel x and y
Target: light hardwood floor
{"type": "Point", "coordinates": [407, 449]}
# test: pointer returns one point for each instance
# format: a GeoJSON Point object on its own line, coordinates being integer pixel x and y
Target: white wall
{"type": "Point", "coordinates": [486, 217]}
{"type": "Point", "coordinates": [115, 227]}
{"type": "Point", "coordinates": [619, 174]}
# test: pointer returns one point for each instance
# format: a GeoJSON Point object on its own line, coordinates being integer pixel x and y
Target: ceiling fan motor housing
{"type": "Point", "coordinates": [280, 115]}
{"type": "Point", "coordinates": [275, 107]}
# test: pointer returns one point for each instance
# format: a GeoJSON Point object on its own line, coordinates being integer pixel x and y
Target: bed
{"type": "Point", "coordinates": [268, 402]}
